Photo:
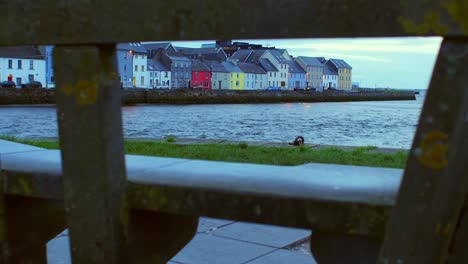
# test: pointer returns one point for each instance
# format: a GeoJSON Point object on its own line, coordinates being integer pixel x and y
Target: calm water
{"type": "Point", "coordinates": [383, 124]}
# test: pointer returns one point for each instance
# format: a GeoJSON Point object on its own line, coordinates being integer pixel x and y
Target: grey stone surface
{"type": "Point", "coordinates": [207, 224]}
{"type": "Point", "coordinates": [12, 147]}
{"type": "Point", "coordinates": [273, 236]}
{"type": "Point", "coordinates": [58, 249]}
{"type": "Point", "coordinates": [204, 249]}
{"type": "Point", "coordinates": [282, 256]}
{"type": "Point", "coordinates": [322, 182]}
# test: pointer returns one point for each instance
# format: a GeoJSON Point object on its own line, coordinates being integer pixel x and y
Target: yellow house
{"type": "Point", "coordinates": [344, 73]}
{"type": "Point", "coordinates": [236, 76]}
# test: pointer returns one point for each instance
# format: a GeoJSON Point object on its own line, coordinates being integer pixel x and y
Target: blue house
{"type": "Point", "coordinates": [297, 76]}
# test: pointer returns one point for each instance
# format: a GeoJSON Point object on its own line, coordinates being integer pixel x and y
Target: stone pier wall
{"type": "Point", "coordinates": [190, 96]}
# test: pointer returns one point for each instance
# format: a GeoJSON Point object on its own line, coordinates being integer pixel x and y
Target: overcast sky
{"type": "Point", "coordinates": [376, 62]}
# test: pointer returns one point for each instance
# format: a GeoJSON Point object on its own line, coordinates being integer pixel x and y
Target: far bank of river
{"type": "Point", "coordinates": [190, 96]}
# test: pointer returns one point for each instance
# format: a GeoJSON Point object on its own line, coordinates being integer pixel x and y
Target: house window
{"type": "Point", "coordinates": [10, 64]}
{"type": "Point", "coordinates": [151, 82]}
{"type": "Point", "coordinates": [125, 67]}
{"type": "Point", "coordinates": [165, 74]}
{"type": "Point", "coordinates": [142, 68]}
{"type": "Point", "coordinates": [31, 77]}
{"type": "Point", "coordinates": [237, 83]}
{"type": "Point", "coordinates": [20, 64]}
{"type": "Point", "coordinates": [196, 75]}
{"type": "Point", "coordinates": [270, 74]}
{"type": "Point", "coordinates": [247, 84]}
{"type": "Point", "coordinates": [136, 68]}
{"type": "Point", "coordinates": [151, 74]}
{"type": "Point", "coordinates": [142, 81]}
{"type": "Point", "coordinates": [206, 84]}
{"type": "Point", "coordinates": [31, 64]}
{"type": "Point", "coordinates": [237, 75]}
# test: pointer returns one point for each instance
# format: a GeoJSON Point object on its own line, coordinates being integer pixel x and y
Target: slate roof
{"type": "Point", "coordinates": [216, 66]}
{"type": "Point", "coordinates": [231, 67]}
{"type": "Point", "coordinates": [294, 67]}
{"type": "Point", "coordinates": [242, 54]}
{"type": "Point", "coordinates": [178, 57]}
{"type": "Point", "coordinates": [267, 65]}
{"type": "Point", "coordinates": [339, 64]}
{"type": "Point", "coordinates": [135, 46]}
{"type": "Point", "coordinates": [21, 52]}
{"type": "Point", "coordinates": [198, 65]}
{"type": "Point", "coordinates": [278, 55]}
{"type": "Point", "coordinates": [206, 53]}
{"type": "Point", "coordinates": [250, 68]}
{"type": "Point", "coordinates": [329, 70]}
{"type": "Point", "coordinates": [254, 57]}
{"type": "Point", "coordinates": [156, 46]}
{"type": "Point", "coordinates": [311, 61]}
{"type": "Point", "coordinates": [156, 65]}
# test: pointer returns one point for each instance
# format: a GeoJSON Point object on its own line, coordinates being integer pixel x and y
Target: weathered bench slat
{"type": "Point", "coordinates": [435, 184]}
{"type": "Point", "coordinates": [107, 21]}
{"type": "Point", "coordinates": [348, 199]}
{"type": "Point", "coordinates": [91, 139]}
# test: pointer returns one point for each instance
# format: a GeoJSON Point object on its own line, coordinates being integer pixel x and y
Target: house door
{"type": "Point", "coordinates": [18, 81]}
{"type": "Point", "coordinates": [298, 84]}
{"type": "Point", "coordinates": [10, 78]}
{"type": "Point", "coordinates": [31, 77]}
{"type": "Point", "coordinates": [329, 85]}
{"type": "Point", "coordinates": [219, 87]}
{"type": "Point", "coordinates": [283, 84]}
{"type": "Point", "coordinates": [134, 81]}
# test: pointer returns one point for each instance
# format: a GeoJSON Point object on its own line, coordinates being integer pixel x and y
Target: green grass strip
{"type": "Point", "coordinates": [362, 156]}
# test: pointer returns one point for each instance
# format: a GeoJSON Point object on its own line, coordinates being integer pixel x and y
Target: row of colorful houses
{"type": "Point", "coordinates": [162, 65]}
{"type": "Point", "coordinates": [246, 69]}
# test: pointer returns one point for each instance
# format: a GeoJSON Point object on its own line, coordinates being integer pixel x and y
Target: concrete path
{"type": "Point", "coordinates": [222, 242]}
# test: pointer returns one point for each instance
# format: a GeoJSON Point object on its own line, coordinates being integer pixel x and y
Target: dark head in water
{"type": "Point", "coordinates": [298, 141]}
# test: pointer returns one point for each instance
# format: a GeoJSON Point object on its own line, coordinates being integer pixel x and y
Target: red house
{"type": "Point", "coordinates": [201, 75]}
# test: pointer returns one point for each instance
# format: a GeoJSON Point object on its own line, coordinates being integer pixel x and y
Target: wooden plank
{"type": "Point", "coordinates": [112, 21]}
{"type": "Point", "coordinates": [435, 180]}
{"type": "Point", "coordinates": [90, 129]}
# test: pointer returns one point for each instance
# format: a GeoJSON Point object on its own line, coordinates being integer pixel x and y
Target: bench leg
{"type": "Point", "coordinates": [30, 224]}
{"type": "Point", "coordinates": [157, 237]}
{"type": "Point", "coordinates": [329, 248]}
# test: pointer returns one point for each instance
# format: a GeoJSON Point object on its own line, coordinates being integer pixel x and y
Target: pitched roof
{"type": "Point", "coordinates": [250, 68]}
{"type": "Point", "coordinates": [231, 67]}
{"type": "Point", "coordinates": [135, 46]}
{"type": "Point", "coordinates": [267, 65]}
{"type": "Point", "coordinates": [329, 70]}
{"type": "Point", "coordinates": [178, 57]}
{"type": "Point", "coordinates": [156, 65]}
{"type": "Point", "coordinates": [254, 57]}
{"type": "Point", "coordinates": [156, 46]}
{"type": "Point", "coordinates": [216, 66]}
{"type": "Point", "coordinates": [198, 65]}
{"type": "Point", "coordinates": [311, 61]}
{"type": "Point", "coordinates": [294, 67]}
{"type": "Point", "coordinates": [21, 52]}
{"type": "Point", "coordinates": [339, 63]}
{"type": "Point", "coordinates": [207, 53]}
{"type": "Point", "coordinates": [242, 54]}
{"type": "Point", "coordinates": [278, 55]}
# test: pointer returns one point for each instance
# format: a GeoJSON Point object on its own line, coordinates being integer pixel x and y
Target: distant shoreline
{"type": "Point", "coordinates": [12, 96]}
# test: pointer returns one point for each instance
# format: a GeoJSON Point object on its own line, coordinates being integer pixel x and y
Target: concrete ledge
{"type": "Point", "coordinates": [321, 196]}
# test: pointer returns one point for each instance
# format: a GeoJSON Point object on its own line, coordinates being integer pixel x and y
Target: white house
{"type": "Point", "coordinates": [140, 75]}
{"type": "Point", "coordinates": [255, 76]}
{"type": "Point", "coordinates": [330, 77]}
{"type": "Point", "coordinates": [159, 74]}
{"type": "Point", "coordinates": [273, 61]}
{"type": "Point", "coordinates": [22, 64]}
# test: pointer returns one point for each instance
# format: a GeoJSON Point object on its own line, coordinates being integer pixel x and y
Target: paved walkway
{"type": "Point", "coordinates": [222, 242]}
